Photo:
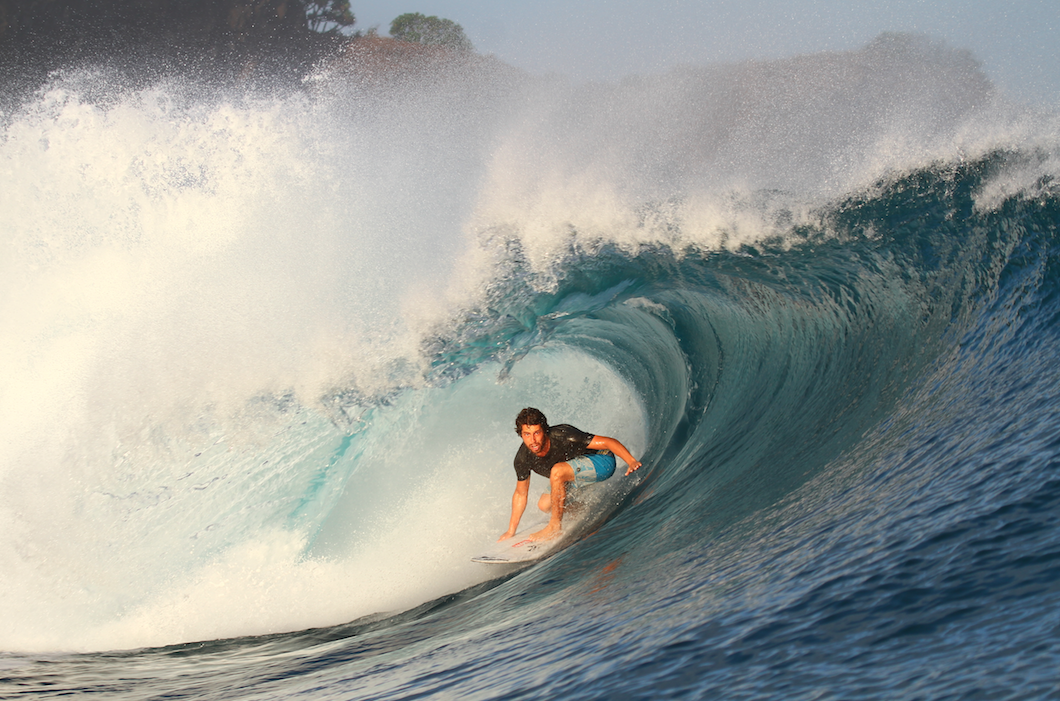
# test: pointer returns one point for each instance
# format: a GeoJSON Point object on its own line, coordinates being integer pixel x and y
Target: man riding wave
{"type": "Point", "coordinates": [563, 454]}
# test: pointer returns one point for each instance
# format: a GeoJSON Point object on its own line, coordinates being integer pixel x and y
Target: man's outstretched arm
{"type": "Point", "coordinates": [616, 447]}
{"type": "Point", "coordinates": [522, 489]}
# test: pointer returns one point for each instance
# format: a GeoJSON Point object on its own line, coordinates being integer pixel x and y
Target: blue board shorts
{"type": "Point", "coordinates": [592, 468]}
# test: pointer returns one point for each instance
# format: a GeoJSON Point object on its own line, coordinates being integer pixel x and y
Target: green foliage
{"type": "Point", "coordinates": [432, 31]}
{"type": "Point", "coordinates": [204, 21]}
{"type": "Point", "coordinates": [235, 39]}
{"type": "Point", "coordinates": [329, 16]}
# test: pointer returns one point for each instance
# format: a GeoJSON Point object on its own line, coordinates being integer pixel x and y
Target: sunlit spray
{"type": "Point", "coordinates": [223, 413]}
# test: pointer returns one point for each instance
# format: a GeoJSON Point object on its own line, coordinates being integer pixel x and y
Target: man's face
{"type": "Point", "coordinates": [535, 439]}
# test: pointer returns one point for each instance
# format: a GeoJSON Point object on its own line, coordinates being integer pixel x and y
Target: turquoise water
{"type": "Point", "coordinates": [266, 354]}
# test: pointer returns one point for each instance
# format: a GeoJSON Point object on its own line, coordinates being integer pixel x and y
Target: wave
{"type": "Point", "coordinates": [264, 352]}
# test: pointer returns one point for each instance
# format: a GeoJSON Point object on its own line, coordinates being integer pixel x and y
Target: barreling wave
{"type": "Point", "coordinates": [789, 349]}
{"type": "Point", "coordinates": [833, 353]}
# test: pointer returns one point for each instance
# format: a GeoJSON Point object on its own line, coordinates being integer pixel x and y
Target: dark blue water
{"type": "Point", "coordinates": [850, 436]}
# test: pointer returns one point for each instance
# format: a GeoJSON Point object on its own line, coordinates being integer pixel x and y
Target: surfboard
{"type": "Point", "coordinates": [593, 505]}
{"type": "Point", "coordinates": [517, 549]}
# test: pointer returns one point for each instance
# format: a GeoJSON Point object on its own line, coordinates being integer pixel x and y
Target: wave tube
{"type": "Point", "coordinates": [243, 332]}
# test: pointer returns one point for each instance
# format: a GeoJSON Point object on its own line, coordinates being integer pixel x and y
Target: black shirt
{"type": "Point", "coordinates": [565, 442]}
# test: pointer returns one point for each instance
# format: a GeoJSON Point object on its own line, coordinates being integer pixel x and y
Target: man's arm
{"type": "Point", "coordinates": [606, 443]}
{"type": "Point", "coordinates": [522, 490]}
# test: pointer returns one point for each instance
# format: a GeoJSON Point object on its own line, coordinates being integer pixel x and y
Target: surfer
{"type": "Point", "coordinates": [563, 454]}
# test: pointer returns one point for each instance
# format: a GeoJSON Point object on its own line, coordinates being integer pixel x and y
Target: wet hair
{"type": "Point", "coordinates": [530, 417]}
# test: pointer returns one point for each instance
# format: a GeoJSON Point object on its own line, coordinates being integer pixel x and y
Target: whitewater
{"type": "Point", "coordinates": [263, 349]}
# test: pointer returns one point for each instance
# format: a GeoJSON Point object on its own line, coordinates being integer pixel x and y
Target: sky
{"type": "Point", "coordinates": [1017, 42]}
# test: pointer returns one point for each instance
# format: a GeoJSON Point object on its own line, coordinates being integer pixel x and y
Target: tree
{"type": "Point", "coordinates": [206, 21]}
{"type": "Point", "coordinates": [432, 31]}
{"type": "Point", "coordinates": [225, 37]}
{"type": "Point", "coordinates": [329, 16]}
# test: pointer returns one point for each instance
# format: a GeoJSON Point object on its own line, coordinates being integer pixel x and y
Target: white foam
{"type": "Point", "coordinates": [181, 276]}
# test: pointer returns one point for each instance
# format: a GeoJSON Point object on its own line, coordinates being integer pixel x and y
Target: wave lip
{"type": "Point", "coordinates": [272, 429]}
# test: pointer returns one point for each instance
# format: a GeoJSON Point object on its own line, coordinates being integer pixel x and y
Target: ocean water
{"type": "Point", "coordinates": [263, 350]}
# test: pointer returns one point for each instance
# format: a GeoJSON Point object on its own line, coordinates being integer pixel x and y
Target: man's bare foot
{"type": "Point", "coordinates": [546, 533]}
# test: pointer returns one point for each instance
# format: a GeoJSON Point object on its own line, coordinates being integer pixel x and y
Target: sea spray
{"type": "Point", "coordinates": [255, 346]}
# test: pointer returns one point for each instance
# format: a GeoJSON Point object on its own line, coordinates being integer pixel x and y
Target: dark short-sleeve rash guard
{"type": "Point", "coordinates": [565, 442]}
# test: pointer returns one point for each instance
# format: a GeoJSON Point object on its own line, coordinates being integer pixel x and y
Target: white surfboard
{"type": "Point", "coordinates": [594, 504]}
{"type": "Point", "coordinates": [517, 549]}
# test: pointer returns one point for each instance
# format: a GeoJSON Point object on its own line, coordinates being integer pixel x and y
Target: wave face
{"type": "Point", "coordinates": [263, 352]}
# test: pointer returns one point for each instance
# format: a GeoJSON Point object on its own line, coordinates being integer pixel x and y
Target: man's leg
{"type": "Point", "coordinates": [562, 474]}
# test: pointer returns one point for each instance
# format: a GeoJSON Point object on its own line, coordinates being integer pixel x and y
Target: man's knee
{"type": "Point", "coordinates": [561, 472]}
